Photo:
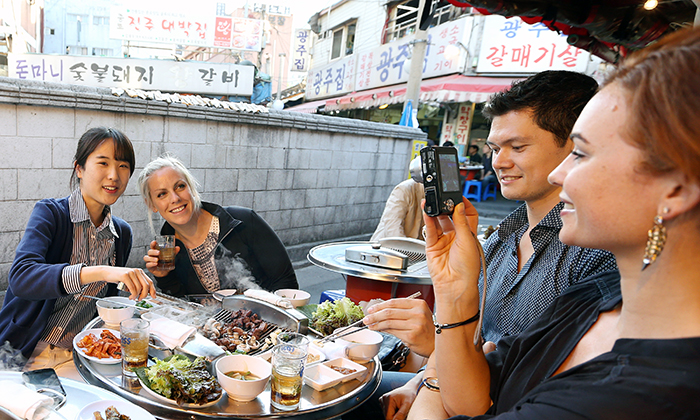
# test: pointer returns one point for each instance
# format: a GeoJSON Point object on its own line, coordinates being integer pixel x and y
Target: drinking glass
{"type": "Point", "coordinates": [166, 246]}
{"type": "Point", "coordinates": [134, 339]}
{"type": "Point", "coordinates": [288, 361]}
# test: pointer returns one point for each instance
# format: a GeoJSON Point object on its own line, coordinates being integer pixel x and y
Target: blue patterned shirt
{"type": "Point", "coordinates": [515, 299]}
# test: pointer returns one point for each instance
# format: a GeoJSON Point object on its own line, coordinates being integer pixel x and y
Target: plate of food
{"type": "Point", "coordinates": [157, 382]}
{"type": "Point", "coordinates": [100, 345]}
{"type": "Point", "coordinates": [146, 304]}
{"type": "Point", "coordinates": [113, 409]}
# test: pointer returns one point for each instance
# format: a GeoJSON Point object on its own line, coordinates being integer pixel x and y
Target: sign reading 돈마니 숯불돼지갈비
{"type": "Point", "coordinates": [164, 75]}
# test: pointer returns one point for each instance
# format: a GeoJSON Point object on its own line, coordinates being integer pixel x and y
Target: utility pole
{"type": "Point", "coordinates": [417, 58]}
{"type": "Point", "coordinates": [277, 103]}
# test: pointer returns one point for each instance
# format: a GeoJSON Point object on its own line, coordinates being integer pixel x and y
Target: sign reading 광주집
{"type": "Point", "coordinates": [301, 46]}
{"type": "Point", "coordinates": [331, 80]}
{"type": "Point", "coordinates": [163, 75]}
{"type": "Point", "coordinates": [390, 64]}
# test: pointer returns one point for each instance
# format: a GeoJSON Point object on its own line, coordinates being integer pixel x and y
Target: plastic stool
{"type": "Point", "coordinates": [331, 295]}
{"type": "Point", "coordinates": [476, 195]}
{"type": "Point", "coordinates": [490, 191]}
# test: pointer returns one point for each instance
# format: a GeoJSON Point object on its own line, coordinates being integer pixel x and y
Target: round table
{"type": "Point", "coordinates": [365, 282]}
{"type": "Point", "coordinates": [327, 404]}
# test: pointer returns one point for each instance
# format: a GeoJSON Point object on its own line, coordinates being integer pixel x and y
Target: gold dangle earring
{"type": "Point", "coordinates": [656, 240]}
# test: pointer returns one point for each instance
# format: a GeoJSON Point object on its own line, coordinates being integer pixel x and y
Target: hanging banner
{"type": "Point", "coordinates": [168, 76]}
{"type": "Point", "coordinates": [301, 46]}
{"type": "Point", "coordinates": [464, 123]}
{"type": "Point", "coordinates": [512, 46]}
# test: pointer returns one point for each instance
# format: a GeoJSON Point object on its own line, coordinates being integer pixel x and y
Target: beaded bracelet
{"type": "Point", "coordinates": [440, 327]}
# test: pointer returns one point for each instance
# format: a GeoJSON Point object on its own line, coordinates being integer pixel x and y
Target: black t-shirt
{"type": "Point", "coordinates": [638, 379]}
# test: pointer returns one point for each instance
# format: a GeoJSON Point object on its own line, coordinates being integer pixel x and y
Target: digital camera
{"type": "Point", "coordinates": [441, 180]}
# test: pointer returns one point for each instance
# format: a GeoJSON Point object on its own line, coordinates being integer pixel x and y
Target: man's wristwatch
{"type": "Point", "coordinates": [431, 383]}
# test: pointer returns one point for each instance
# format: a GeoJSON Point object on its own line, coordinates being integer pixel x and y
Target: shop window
{"type": "Point", "coordinates": [337, 43]}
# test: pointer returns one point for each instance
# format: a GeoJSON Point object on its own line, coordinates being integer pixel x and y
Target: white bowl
{"type": "Point", "coordinates": [361, 345]}
{"type": "Point", "coordinates": [241, 390]}
{"type": "Point", "coordinates": [296, 296]}
{"type": "Point", "coordinates": [112, 313]}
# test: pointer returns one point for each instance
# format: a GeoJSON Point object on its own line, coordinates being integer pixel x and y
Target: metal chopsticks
{"type": "Point", "coordinates": [342, 332]}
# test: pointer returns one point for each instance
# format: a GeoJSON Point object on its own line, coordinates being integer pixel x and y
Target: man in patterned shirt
{"type": "Point", "coordinates": [527, 266]}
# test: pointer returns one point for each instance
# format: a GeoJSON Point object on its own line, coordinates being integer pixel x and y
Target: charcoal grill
{"type": "Point", "coordinates": [289, 320]}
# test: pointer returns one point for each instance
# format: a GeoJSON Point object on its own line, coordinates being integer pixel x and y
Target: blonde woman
{"type": "Point", "coordinates": [209, 237]}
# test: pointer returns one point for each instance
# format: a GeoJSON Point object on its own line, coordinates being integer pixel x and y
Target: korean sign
{"type": "Point", "coordinates": [337, 77]}
{"type": "Point", "coordinates": [463, 124]}
{"type": "Point", "coordinates": [512, 46]}
{"type": "Point", "coordinates": [273, 9]}
{"type": "Point", "coordinates": [301, 46]}
{"type": "Point", "coordinates": [200, 28]}
{"type": "Point", "coordinates": [169, 76]}
{"type": "Point", "coordinates": [390, 63]}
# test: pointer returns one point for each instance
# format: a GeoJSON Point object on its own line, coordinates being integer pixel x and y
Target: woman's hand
{"type": "Point", "coordinates": [151, 259]}
{"type": "Point", "coordinates": [453, 255]}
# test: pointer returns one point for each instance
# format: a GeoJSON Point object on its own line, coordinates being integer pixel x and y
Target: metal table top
{"type": "Point", "coordinates": [332, 257]}
{"type": "Point", "coordinates": [326, 404]}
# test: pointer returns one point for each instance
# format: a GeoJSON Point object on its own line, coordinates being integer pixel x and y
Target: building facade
{"type": "Point", "coordinates": [363, 51]}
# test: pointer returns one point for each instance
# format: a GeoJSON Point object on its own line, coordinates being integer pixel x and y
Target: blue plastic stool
{"type": "Point", "coordinates": [490, 191]}
{"type": "Point", "coordinates": [476, 195]}
{"type": "Point", "coordinates": [331, 295]}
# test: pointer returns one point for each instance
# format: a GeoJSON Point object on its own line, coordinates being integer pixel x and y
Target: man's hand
{"type": "Point", "coordinates": [408, 319]}
{"type": "Point", "coordinates": [397, 402]}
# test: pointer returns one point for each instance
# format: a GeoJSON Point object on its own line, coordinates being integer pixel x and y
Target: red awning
{"type": "Point", "coordinates": [453, 88]}
{"type": "Point", "coordinates": [307, 107]}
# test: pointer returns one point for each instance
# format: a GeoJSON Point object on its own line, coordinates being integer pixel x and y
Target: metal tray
{"type": "Point", "coordinates": [314, 404]}
{"type": "Point", "coordinates": [332, 257]}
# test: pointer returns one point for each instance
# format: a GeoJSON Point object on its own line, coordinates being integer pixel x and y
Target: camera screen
{"type": "Point", "coordinates": [450, 173]}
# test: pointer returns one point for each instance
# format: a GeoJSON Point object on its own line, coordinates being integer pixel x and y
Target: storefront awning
{"type": "Point", "coordinates": [452, 88]}
{"type": "Point", "coordinates": [307, 107]}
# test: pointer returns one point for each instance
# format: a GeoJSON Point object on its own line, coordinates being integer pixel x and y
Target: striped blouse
{"type": "Point", "coordinates": [91, 246]}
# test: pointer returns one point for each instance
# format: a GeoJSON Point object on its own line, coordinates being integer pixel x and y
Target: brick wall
{"type": "Point", "coordinates": [312, 178]}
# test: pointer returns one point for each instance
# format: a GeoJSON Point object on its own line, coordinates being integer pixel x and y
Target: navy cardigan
{"type": "Point", "coordinates": [35, 276]}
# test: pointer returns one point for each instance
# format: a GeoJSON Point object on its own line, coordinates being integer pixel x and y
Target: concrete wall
{"type": "Point", "coordinates": [313, 178]}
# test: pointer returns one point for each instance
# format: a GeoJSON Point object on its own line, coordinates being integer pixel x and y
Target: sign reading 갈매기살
{"type": "Point", "coordinates": [163, 75]}
{"type": "Point", "coordinates": [513, 46]}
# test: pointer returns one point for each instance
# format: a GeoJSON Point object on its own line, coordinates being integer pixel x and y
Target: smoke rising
{"type": "Point", "coordinates": [233, 271]}
{"type": "Point", "coordinates": [10, 358]}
